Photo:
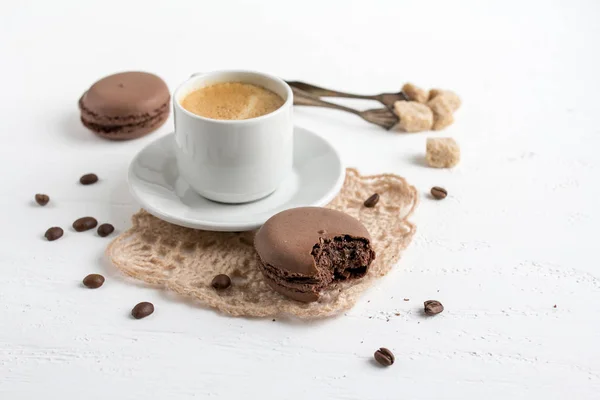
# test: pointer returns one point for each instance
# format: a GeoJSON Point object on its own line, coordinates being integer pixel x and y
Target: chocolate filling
{"type": "Point", "coordinates": [100, 119]}
{"type": "Point", "coordinates": [125, 127]}
{"type": "Point", "coordinates": [337, 259]}
{"type": "Point", "coordinates": [342, 257]}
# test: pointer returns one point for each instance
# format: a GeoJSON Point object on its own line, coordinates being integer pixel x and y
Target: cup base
{"type": "Point", "coordinates": [233, 198]}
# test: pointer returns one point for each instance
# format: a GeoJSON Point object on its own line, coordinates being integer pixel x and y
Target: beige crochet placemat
{"type": "Point", "coordinates": [185, 260]}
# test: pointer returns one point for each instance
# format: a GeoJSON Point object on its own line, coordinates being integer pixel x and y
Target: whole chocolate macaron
{"type": "Point", "coordinates": [304, 250]}
{"type": "Point", "coordinates": [126, 105]}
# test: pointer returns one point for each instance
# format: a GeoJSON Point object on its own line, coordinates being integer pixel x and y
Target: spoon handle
{"type": "Point", "coordinates": [322, 92]}
{"type": "Point", "coordinates": [302, 98]}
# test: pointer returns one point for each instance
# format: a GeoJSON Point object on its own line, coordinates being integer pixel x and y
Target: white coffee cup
{"type": "Point", "coordinates": [234, 161]}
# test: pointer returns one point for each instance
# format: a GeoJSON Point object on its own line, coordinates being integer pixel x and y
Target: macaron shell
{"type": "Point", "coordinates": [125, 95]}
{"type": "Point", "coordinates": [305, 297]}
{"type": "Point", "coordinates": [126, 105]}
{"type": "Point", "coordinates": [286, 240]}
{"type": "Point", "coordinates": [127, 132]}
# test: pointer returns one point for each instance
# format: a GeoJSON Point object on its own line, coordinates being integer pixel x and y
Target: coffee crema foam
{"type": "Point", "coordinates": [232, 101]}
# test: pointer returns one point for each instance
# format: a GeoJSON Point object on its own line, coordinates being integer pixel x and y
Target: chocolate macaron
{"type": "Point", "coordinates": [126, 105]}
{"type": "Point", "coordinates": [305, 250]}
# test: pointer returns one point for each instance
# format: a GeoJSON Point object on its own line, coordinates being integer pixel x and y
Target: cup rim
{"type": "Point", "coordinates": [286, 103]}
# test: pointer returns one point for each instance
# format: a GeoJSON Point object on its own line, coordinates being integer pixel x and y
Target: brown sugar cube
{"type": "Point", "coordinates": [414, 116]}
{"type": "Point", "coordinates": [442, 112]}
{"type": "Point", "coordinates": [450, 98]}
{"type": "Point", "coordinates": [433, 93]}
{"type": "Point", "coordinates": [442, 121]}
{"type": "Point", "coordinates": [415, 93]}
{"type": "Point", "coordinates": [442, 152]}
{"type": "Point", "coordinates": [440, 105]}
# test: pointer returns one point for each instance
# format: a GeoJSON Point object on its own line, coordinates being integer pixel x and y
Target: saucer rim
{"type": "Point", "coordinates": [230, 226]}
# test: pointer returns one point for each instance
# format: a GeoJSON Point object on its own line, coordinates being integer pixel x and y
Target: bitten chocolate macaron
{"type": "Point", "coordinates": [305, 250]}
{"type": "Point", "coordinates": [126, 105]}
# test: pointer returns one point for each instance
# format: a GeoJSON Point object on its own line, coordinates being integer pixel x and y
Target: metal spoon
{"type": "Point", "coordinates": [387, 99]}
{"type": "Point", "coordinates": [381, 116]}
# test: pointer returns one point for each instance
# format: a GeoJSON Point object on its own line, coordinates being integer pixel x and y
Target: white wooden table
{"type": "Point", "coordinates": [517, 235]}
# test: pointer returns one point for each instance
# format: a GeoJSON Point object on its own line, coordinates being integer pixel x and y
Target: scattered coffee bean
{"type": "Point", "coordinates": [93, 281]}
{"type": "Point", "coordinates": [221, 282]}
{"type": "Point", "coordinates": [88, 179]}
{"type": "Point", "coordinates": [85, 224]}
{"type": "Point", "coordinates": [384, 357]}
{"type": "Point", "coordinates": [54, 233]}
{"type": "Point", "coordinates": [439, 193]}
{"type": "Point", "coordinates": [42, 199]}
{"type": "Point", "coordinates": [105, 230]}
{"type": "Point", "coordinates": [142, 310]}
{"type": "Point", "coordinates": [433, 307]}
{"type": "Point", "coordinates": [372, 201]}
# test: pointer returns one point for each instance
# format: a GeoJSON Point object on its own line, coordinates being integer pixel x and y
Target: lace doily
{"type": "Point", "coordinates": [185, 260]}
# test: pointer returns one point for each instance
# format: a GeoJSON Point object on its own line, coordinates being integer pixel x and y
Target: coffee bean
{"type": "Point", "coordinates": [85, 224]}
{"type": "Point", "coordinates": [88, 179]}
{"type": "Point", "coordinates": [433, 307]}
{"type": "Point", "coordinates": [439, 193]}
{"type": "Point", "coordinates": [384, 357]}
{"type": "Point", "coordinates": [221, 282]}
{"type": "Point", "coordinates": [105, 230]}
{"type": "Point", "coordinates": [54, 233]}
{"type": "Point", "coordinates": [93, 281]}
{"type": "Point", "coordinates": [42, 199]}
{"type": "Point", "coordinates": [371, 201]}
{"type": "Point", "coordinates": [142, 310]}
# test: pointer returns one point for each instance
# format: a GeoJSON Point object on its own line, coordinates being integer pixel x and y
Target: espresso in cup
{"type": "Point", "coordinates": [223, 151]}
{"type": "Point", "coordinates": [232, 101]}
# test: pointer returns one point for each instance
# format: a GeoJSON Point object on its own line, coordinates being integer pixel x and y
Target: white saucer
{"type": "Point", "coordinates": [154, 181]}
